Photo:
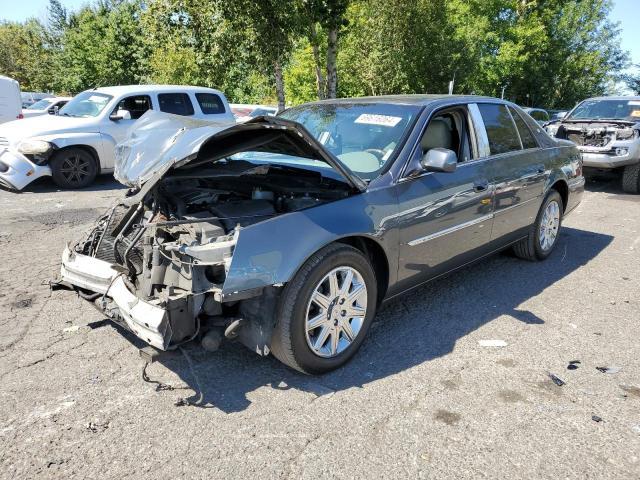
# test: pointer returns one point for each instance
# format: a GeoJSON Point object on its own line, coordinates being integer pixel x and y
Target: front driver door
{"type": "Point", "coordinates": [444, 219]}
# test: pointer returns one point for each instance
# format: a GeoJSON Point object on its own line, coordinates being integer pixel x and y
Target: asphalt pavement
{"type": "Point", "coordinates": [454, 380]}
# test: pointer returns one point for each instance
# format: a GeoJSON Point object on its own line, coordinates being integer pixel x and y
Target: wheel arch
{"type": "Point", "coordinates": [562, 188]}
{"type": "Point", "coordinates": [87, 148]}
{"type": "Point", "coordinates": [377, 257]}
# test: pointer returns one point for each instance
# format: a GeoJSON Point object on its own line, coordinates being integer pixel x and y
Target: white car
{"type": "Point", "coordinates": [45, 106]}
{"type": "Point", "coordinates": [79, 143]}
{"type": "Point", "coordinates": [10, 101]}
{"type": "Point", "coordinates": [245, 111]}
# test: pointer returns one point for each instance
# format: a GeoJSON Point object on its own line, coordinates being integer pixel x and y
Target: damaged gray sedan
{"type": "Point", "coordinates": [286, 233]}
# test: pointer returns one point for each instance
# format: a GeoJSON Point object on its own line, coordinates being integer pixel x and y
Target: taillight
{"type": "Point", "coordinates": [21, 116]}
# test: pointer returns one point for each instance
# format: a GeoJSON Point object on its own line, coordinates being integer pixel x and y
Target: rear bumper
{"type": "Point", "coordinates": [17, 171]}
{"type": "Point", "coordinates": [576, 192]}
{"type": "Point", "coordinates": [146, 320]}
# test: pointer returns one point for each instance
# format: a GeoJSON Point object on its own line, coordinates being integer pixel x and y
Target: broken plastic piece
{"type": "Point", "coordinates": [596, 418]}
{"type": "Point", "coordinates": [573, 365]}
{"type": "Point", "coordinates": [610, 370]}
{"type": "Point", "coordinates": [557, 380]}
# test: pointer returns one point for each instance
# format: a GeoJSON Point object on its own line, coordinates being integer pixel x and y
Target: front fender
{"type": "Point", "coordinates": [92, 140]}
{"type": "Point", "coordinates": [272, 251]}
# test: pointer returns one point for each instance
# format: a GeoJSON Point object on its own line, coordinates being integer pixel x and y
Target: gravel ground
{"type": "Point", "coordinates": [422, 399]}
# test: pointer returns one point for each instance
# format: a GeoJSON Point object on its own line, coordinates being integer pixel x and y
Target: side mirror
{"type": "Point", "coordinates": [53, 110]}
{"type": "Point", "coordinates": [120, 115]}
{"type": "Point", "coordinates": [439, 160]}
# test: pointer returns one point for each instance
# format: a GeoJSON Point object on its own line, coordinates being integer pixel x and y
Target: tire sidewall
{"type": "Point", "coordinates": [303, 354]}
{"type": "Point", "coordinates": [56, 163]}
{"type": "Point", "coordinates": [551, 196]}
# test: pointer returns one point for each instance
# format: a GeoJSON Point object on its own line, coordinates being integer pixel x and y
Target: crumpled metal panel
{"type": "Point", "coordinates": [158, 140]}
{"type": "Point", "coordinates": [270, 252]}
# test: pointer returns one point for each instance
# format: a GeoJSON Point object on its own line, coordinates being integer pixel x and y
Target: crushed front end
{"type": "Point", "coordinates": [134, 267]}
{"type": "Point", "coordinates": [164, 261]}
{"type": "Point", "coordinates": [604, 144]}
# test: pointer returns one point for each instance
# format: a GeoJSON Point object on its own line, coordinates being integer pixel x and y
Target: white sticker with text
{"type": "Point", "coordinates": [383, 120]}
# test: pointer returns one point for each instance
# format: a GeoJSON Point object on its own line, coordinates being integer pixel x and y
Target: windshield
{"type": "Point", "coordinates": [41, 105]}
{"type": "Point", "coordinates": [86, 104]}
{"type": "Point", "coordinates": [621, 109]}
{"type": "Point", "coordinates": [364, 136]}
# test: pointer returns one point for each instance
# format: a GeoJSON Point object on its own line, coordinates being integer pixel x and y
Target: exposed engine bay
{"type": "Point", "coordinates": [597, 134]}
{"type": "Point", "coordinates": [172, 247]}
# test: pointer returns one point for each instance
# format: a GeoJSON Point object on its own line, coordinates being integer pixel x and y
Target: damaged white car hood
{"type": "Point", "coordinates": [157, 141]}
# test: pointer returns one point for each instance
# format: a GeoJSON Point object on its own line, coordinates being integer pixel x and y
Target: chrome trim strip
{"type": "Point", "coordinates": [449, 230]}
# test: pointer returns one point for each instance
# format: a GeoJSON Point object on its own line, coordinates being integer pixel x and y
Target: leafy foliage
{"type": "Point", "coordinates": [549, 53]}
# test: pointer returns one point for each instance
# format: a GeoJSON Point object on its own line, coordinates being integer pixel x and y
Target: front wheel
{"type": "Point", "coordinates": [631, 178]}
{"type": "Point", "coordinates": [73, 168]}
{"type": "Point", "coordinates": [543, 234]}
{"type": "Point", "coordinates": [325, 311]}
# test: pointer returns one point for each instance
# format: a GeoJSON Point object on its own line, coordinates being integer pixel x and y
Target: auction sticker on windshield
{"type": "Point", "coordinates": [383, 120]}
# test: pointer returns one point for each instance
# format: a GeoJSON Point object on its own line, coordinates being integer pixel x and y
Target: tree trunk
{"type": "Point", "coordinates": [279, 85]}
{"type": "Point", "coordinates": [313, 40]}
{"type": "Point", "coordinates": [332, 72]}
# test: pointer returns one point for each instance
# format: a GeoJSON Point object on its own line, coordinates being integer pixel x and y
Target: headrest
{"type": "Point", "coordinates": [438, 134]}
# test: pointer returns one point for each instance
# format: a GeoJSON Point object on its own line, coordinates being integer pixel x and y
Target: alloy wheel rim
{"type": "Point", "coordinates": [336, 312]}
{"type": "Point", "coordinates": [549, 225]}
{"type": "Point", "coordinates": [75, 169]}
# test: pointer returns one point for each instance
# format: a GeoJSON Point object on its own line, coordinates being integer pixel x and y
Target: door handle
{"type": "Point", "coordinates": [480, 186]}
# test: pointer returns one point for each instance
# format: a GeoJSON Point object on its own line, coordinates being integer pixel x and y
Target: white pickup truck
{"type": "Point", "coordinates": [79, 143]}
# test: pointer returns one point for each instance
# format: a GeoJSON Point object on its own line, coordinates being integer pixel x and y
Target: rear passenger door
{"type": "Point", "coordinates": [178, 103]}
{"type": "Point", "coordinates": [515, 167]}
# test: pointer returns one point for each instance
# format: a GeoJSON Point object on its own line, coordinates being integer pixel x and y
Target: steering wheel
{"type": "Point", "coordinates": [379, 154]}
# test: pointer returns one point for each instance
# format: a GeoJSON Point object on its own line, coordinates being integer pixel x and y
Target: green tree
{"type": "Point", "coordinates": [102, 45]}
{"type": "Point", "coordinates": [25, 56]}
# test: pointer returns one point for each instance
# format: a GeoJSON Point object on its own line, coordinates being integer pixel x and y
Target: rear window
{"type": "Point", "coordinates": [176, 103]}
{"type": "Point", "coordinates": [501, 131]}
{"type": "Point", "coordinates": [210, 103]}
{"type": "Point", "coordinates": [528, 140]}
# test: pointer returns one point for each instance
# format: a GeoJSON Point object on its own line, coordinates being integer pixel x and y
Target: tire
{"type": "Point", "coordinates": [292, 341]}
{"type": "Point", "coordinates": [531, 248]}
{"type": "Point", "coordinates": [73, 168]}
{"type": "Point", "coordinates": [631, 178]}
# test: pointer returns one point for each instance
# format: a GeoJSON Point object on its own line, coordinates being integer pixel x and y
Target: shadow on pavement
{"type": "Point", "coordinates": [416, 328]}
{"type": "Point", "coordinates": [46, 185]}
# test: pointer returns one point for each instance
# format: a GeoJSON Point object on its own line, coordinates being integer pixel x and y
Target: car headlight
{"type": "Point", "coordinates": [621, 151]}
{"type": "Point", "coordinates": [34, 147]}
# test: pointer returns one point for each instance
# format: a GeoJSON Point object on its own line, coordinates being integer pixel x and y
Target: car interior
{"type": "Point", "coordinates": [448, 129]}
{"type": "Point", "coordinates": [136, 105]}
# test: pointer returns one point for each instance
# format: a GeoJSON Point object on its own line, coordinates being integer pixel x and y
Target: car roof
{"type": "Point", "coordinates": [142, 89]}
{"type": "Point", "coordinates": [620, 97]}
{"type": "Point", "coordinates": [409, 99]}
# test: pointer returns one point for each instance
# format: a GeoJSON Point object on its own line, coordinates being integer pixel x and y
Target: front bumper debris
{"type": "Point", "coordinates": [17, 171]}
{"type": "Point", "coordinates": [147, 321]}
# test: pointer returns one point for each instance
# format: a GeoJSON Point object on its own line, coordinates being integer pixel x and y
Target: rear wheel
{"type": "Point", "coordinates": [73, 168]}
{"type": "Point", "coordinates": [543, 234]}
{"type": "Point", "coordinates": [325, 311]}
{"type": "Point", "coordinates": [631, 178]}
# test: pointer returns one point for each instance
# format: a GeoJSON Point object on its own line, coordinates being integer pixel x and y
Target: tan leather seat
{"type": "Point", "coordinates": [438, 135]}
